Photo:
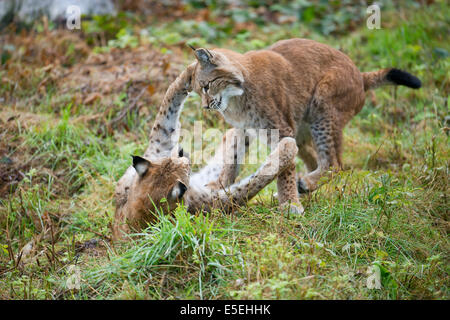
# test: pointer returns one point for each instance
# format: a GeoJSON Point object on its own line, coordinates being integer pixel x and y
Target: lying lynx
{"type": "Point", "coordinates": [305, 89]}
{"type": "Point", "coordinates": [164, 172]}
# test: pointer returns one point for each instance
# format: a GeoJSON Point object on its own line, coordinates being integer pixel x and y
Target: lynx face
{"type": "Point", "coordinates": [217, 80]}
{"type": "Point", "coordinates": [219, 101]}
{"type": "Point", "coordinates": [166, 179]}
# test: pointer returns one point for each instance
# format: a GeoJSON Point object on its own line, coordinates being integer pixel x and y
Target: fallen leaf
{"type": "Point", "coordinates": [151, 89]}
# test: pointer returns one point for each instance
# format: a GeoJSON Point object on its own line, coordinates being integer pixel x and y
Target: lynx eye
{"type": "Point", "coordinates": [206, 88]}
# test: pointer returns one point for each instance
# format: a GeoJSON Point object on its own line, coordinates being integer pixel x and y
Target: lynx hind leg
{"type": "Point", "coordinates": [327, 140]}
{"type": "Point", "coordinates": [337, 98]}
{"type": "Point", "coordinates": [241, 192]}
{"type": "Point", "coordinates": [308, 155]}
{"type": "Point", "coordinates": [276, 163]}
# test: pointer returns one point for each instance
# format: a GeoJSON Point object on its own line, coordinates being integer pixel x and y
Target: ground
{"type": "Point", "coordinates": [76, 104]}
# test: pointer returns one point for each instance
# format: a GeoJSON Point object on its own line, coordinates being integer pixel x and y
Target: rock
{"type": "Point", "coordinates": [29, 10]}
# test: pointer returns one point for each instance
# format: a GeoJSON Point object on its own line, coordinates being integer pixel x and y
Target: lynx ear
{"type": "Point", "coordinates": [141, 165]}
{"type": "Point", "coordinates": [177, 191]}
{"type": "Point", "coordinates": [204, 56]}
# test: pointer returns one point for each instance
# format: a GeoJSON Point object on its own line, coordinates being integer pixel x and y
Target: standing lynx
{"type": "Point", "coordinates": [305, 89]}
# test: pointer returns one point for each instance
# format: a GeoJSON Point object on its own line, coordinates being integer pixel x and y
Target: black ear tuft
{"type": "Point", "coordinates": [192, 47]}
{"type": "Point", "coordinates": [141, 165]}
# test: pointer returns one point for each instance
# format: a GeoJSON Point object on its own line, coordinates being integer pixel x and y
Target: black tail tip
{"type": "Point", "coordinates": [403, 78]}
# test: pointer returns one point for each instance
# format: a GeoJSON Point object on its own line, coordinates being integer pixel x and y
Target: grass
{"type": "Point", "coordinates": [387, 212]}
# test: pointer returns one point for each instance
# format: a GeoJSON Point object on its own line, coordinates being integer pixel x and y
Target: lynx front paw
{"type": "Point", "coordinates": [293, 209]}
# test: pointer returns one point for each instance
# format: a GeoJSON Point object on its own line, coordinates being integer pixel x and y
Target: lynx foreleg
{"type": "Point", "coordinates": [166, 128]}
{"type": "Point", "coordinates": [163, 138]}
{"type": "Point", "coordinates": [287, 190]}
